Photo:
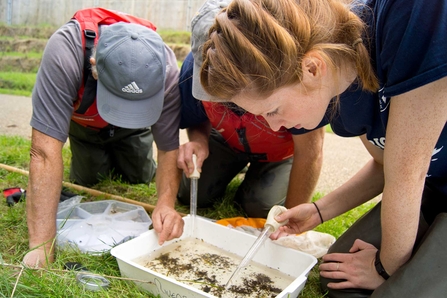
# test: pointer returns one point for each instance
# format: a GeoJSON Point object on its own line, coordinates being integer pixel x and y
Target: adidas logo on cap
{"type": "Point", "coordinates": [132, 88]}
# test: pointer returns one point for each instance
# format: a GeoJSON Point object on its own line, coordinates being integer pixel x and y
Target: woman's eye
{"type": "Point", "coordinates": [270, 114]}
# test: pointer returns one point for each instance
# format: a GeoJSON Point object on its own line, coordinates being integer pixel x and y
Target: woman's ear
{"type": "Point", "coordinates": [314, 65]}
{"type": "Point", "coordinates": [314, 69]}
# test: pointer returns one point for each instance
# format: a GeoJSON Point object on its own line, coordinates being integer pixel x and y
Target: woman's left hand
{"type": "Point", "coordinates": [356, 269]}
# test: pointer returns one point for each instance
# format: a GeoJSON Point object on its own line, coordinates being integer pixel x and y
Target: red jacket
{"type": "Point", "coordinates": [250, 134]}
{"type": "Point", "coordinates": [90, 19]}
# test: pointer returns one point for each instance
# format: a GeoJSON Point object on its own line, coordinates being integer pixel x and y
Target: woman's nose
{"type": "Point", "coordinates": [274, 125]}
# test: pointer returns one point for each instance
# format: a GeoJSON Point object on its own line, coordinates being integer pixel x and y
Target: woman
{"type": "Point", "coordinates": [375, 70]}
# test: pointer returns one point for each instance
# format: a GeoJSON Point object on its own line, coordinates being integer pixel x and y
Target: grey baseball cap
{"type": "Point", "coordinates": [131, 64]}
{"type": "Point", "coordinates": [200, 26]}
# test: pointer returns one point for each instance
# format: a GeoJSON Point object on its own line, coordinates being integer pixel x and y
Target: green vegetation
{"type": "Point", "coordinates": [176, 37]}
{"type": "Point", "coordinates": [17, 83]}
{"type": "Point", "coordinates": [37, 55]}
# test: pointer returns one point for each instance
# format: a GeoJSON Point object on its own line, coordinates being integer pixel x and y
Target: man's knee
{"type": "Point", "coordinates": [204, 197]}
{"type": "Point", "coordinates": [258, 204]}
{"type": "Point", "coordinates": [86, 180]}
{"type": "Point", "coordinates": [258, 208]}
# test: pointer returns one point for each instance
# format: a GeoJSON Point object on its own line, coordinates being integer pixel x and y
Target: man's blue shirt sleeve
{"type": "Point", "coordinates": [192, 111]}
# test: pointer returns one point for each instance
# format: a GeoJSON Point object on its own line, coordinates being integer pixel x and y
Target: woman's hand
{"type": "Point", "coordinates": [301, 218]}
{"type": "Point", "coordinates": [356, 268]}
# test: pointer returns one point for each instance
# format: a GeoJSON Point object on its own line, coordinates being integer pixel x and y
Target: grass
{"type": "Point", "coordinates": [58, 282]}
{"type": "Point", "coordinates": [37, 55]}
{"type": "Point", "coordinates": [177, 37]}
{"type": "Point", "coordinates": [17, 83]}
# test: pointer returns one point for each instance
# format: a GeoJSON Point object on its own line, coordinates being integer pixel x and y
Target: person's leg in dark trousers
{"type": "Point", "coordinates": [94, 158]}
{"type": "Point", "coordinates": [425, 273]}
{"type": "Point", "coordinates": [221, 166]}
{"type": "Point", "coordinates": [90, 161]}
{"type": "Point", "coordinates": [368, 229]}
{"type": "Point", "coordinates": [265, 185]}
{"type": "Point", "coordinates": [133, 156]}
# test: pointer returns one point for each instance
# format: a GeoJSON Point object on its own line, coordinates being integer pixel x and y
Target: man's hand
{"type": "Point", "coordinates": [184, 160]}
{"type": "Point", "coordinates": [38, 258]}
{"type": "Point", "coordinates": [198, 144]}
{"type": "Point", "coordinates": [167, 223]}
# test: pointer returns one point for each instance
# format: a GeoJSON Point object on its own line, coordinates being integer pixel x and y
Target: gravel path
{"type": "Point", "coordinates": [342, 156]}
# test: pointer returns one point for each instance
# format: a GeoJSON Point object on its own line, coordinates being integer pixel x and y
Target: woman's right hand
{"type": "Point", "coordinates": [302, 218]}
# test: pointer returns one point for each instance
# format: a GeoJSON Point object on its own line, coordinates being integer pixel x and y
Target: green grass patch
{"type": "Point", "coordinates": [19, 82]}
{"type": "Point", "coordinates": [14, 151]}
{"type": "Point", "coordinates": [35, 55]}
{"type": "Point", "coordinates": [178, 37]}
{"type": "Point", "coordinates": [15, 92]}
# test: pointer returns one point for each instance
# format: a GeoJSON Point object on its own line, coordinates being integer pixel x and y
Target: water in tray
{"type": "Point", "coordinates": [206, 267]}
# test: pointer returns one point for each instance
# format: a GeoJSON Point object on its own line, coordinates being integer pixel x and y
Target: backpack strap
{"type": "Point", "coordinates": [90, 83]}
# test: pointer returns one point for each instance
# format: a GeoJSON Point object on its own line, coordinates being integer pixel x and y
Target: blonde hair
{"type": "Point", "coordinates": [258, 45]}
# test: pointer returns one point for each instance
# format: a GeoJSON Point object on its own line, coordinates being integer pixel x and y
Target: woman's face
{"type": "Point", "coordinates": [304, 104]}
{"type": "Point", "coordinates": [291, 106]}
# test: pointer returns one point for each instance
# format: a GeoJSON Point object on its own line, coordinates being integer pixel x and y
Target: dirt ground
{"type": "Point", "coordinates": [342, 156]}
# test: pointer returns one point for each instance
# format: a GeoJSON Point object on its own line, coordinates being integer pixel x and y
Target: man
{"type": "Point", "coordinates": [226, 139]}
{"type": "Point", "coordinates": [112, 119]}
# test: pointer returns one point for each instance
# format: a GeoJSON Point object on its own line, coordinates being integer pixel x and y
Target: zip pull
{"type": "Point", "coordinates": [112, 131]}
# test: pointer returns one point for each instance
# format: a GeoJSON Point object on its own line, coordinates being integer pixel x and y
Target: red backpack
{"type": "Point", "coordinates": [85, 109]}
{"type": "Point", "coordinates": [250, 135]}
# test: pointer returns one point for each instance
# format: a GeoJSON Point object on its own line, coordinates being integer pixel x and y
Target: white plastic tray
{"type": "Point", "coordinates": [289, 261]}
{"type": "Point", "coordinates": [95, 227]}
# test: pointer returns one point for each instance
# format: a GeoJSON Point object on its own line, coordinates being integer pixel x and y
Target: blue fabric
{"type": "Point", "coordinates": [409, 50]}
{"type": "Point", "coordinates": [192, 111]}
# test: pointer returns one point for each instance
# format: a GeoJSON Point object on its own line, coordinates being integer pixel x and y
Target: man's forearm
{"type": "Point", "coordinates": [167, 178]}
{"type": "Point", "coordinates": [199, 133]}
{"type": "Point", "coordinates": [303, 180]}
{"type": "Point", "coordinates": [306, 167]}
{"type": "Point", "coordinates": [43, 193]}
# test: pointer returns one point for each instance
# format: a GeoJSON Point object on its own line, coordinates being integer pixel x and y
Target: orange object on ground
{"type": "Point", "coordinates": [257, 223]}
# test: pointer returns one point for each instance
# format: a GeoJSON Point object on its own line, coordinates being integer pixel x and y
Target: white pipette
{"type": "Point", "coordinates": [270, 226]}
{"type": "Point", "coordinates": [193, 194]}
